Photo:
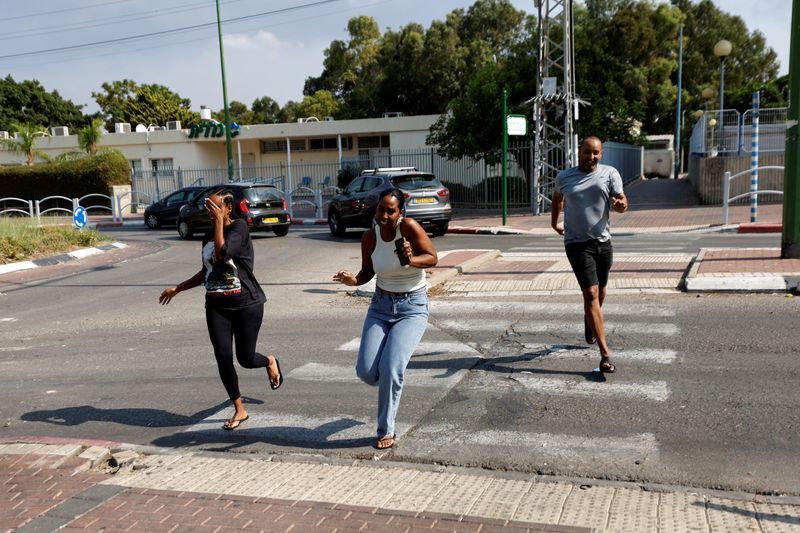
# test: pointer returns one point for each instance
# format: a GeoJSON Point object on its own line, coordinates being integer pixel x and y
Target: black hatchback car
{"type": "Point", "coordinates": [427, 200]}
{"type": "Point", "coordinates": [263, 207]}
{"type": "Point", "coordinates": [165, 211]}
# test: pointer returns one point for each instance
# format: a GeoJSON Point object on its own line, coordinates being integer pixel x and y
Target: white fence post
{"type": "Point", "coordinates": [726, 190]}
{"type": "Point", "coordinates": [38, 213]}
{"type": "Point", "coordinates": [318, 202]}
{"type": "Point", "coordinates": [115, 211]}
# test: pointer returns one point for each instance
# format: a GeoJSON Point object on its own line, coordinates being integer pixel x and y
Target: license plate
{"type": "Point", "coordinates": [426, 200]}
{"type": "Point", "coordinates": [270, 220]}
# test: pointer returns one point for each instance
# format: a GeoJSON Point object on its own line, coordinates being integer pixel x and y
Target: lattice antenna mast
{"type": "Point", "coordinates": [555, 106]}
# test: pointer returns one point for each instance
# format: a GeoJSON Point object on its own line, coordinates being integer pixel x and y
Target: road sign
{"type": "Point", "coordinates": [79, 217]}
{"type": "Point", "coordinates": [517, 125]}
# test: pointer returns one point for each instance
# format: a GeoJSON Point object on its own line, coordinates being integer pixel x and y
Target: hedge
{"type": "Point", "coordinates": [72, 179]}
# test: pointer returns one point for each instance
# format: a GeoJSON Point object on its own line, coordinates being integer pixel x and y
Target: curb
{"type": "Point", "coordinates": [58, 259]}
{"type": "Point", "coordinates": [752, 227]}
{"type": "Point", "coordinates": [309, 222]}
{"type": "Point", "coordinates": [441, 277]}
{"type": "Point", "coordinates": [468, 230]}
{"type": "Point", "coordinates": [733, 283]}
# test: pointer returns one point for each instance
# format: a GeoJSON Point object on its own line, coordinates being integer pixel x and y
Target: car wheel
{"type": "Point", "coordinates": [440, 229]}
{"type": "Point", "coordinates": [281, 232]}
{"type": "Point", "coordinates": [335, 224]}
{"type": "Point", "coordinates": [152, 222]}
{"type": "Point", "coordinates": [184, 229]}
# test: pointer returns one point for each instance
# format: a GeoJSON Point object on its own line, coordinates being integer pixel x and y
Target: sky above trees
{"type": "Point", "coordinates": [268, 55]}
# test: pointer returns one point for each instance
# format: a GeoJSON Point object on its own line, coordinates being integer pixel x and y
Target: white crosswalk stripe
{"type": "Point", "coordinates": [543, 308]}
{"type": "Point", "coordinates": [414, 377]}
{"type": "Point", "coordinates": [528, 326]}
{"type": "Point", "coordinates": [566, 446]}
{"type": "Point", "coordinates": [424, 347]}
{"type": "Point", "coordinates": [654, 390]}
{"type": "Point", "coordinates": [658, 356]}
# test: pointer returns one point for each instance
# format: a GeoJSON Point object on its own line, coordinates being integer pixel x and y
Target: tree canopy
{"type": "Point", "coordinates": [626, 55]}
{"type": "Point", "coordinates": [28, 101]}
{"type": "Point", "coordinates": [127, 101]}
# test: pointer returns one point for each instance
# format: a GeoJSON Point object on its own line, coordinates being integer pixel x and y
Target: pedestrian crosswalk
{"type": "Point", "coordinates": [507, 377]}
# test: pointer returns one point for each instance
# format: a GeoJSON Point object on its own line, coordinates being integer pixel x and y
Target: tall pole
{"type": "Point", "coordinates": [228, 143]}
{"type": "Point", "coordinates": [721, 85]}
{"type": "Point", "coordinates": [790, 238]}
{"type": "Point", "coordinates": [505, 152]}
{"type": "Point", "coordinates": [677, 145]}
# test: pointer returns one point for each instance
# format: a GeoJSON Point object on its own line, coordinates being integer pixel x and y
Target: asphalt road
{"type": "Point", "coordinates": [706, 394]}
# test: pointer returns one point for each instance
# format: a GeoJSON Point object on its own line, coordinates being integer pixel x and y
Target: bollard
{"type": "Point", "coordinates": [726, 190]}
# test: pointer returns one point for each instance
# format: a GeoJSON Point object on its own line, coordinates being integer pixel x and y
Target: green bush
{"type": "Point", "coordinates": [72, 179]}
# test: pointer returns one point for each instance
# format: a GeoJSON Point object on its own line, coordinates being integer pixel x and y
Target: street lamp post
{"type": "Point", "coordinates": [722, 50]}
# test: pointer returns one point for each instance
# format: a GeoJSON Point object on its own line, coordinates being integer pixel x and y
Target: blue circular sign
{"type": "Point", "coordinates": [79, 217]}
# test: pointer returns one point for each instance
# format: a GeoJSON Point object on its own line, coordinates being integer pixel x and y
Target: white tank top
{"type": "Point", "coordinates": [392, 276]}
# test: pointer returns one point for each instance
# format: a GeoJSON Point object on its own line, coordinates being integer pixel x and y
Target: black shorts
{"type": "Point", "coordinates": [591, 261]}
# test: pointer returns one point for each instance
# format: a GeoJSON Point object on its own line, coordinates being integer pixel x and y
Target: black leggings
{"type": "Point", "coordinates": [241, 325]}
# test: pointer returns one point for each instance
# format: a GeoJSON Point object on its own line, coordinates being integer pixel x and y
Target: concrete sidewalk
{"type": "Point", "coordinates": [96, 486]}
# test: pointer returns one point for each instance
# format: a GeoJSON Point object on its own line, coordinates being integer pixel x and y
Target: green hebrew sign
{"type": "Point", "coordinates": [213, 129]}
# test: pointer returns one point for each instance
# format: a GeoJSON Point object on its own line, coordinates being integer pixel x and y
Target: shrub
{"type": "Point", "coordinates": [72, 179]}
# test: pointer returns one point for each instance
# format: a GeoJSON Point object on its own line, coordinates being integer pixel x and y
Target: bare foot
{"type": "Point", "coordinates": [274, 372]}
{"type": "Point", "coordinates": [235, 421]}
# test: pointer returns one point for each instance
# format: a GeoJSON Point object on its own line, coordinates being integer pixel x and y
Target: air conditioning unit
{"type": "Point", "coordinates": [159, 128]}
{"type": "Point", "coordinates": [329, 119]}
{"type": "Point", "coordinates": [205, 113]}
{"type": "Point", "coordinates": [174, 125]}
{"type": "Point", "coordinates": [122, 127]}
{"type": "Point", "coordinates": [301, 120]}
{"type": "Point", "coordinates": [4, 135]}
{"type": "Point", "coordinates": [392, 114]}
{"type": "Point", "coordinates": [59, 131]}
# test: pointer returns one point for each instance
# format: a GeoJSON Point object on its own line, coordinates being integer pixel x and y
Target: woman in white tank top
{"type": "Point", "coordinates": [398, 314]}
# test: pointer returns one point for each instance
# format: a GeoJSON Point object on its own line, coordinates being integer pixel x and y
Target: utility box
{"type": "Point", "coordinates": [659, 156]}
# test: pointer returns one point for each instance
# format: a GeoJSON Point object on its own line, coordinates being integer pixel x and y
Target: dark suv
{"type": "Point", "coordinates": [263, 207]}
{"type": "Point", "coordinates": [165, 211]}
{"type": "Point", "coordinates": [427, 200]}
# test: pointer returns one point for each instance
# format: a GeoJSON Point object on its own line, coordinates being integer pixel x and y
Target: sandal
{"type": "Point", "coordinates": [274, 384]}
{"type": "Point", "coordinates": [588, 334]}
{"type": "Point", "coordinates": [385, 442]}
{"type": "Point", "coordinates": [232, 423]}
{"type": "Point", "coordinates": [606, 366]}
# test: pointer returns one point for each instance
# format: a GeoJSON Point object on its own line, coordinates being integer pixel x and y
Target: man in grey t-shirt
{"type": "Point", "coordinates": [586, 194]}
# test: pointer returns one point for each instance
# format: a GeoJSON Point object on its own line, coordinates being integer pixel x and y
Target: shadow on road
{"type": "Point", "coordinates": [318, 438]}
{"type": "Point", "coordinates": [128, 416]}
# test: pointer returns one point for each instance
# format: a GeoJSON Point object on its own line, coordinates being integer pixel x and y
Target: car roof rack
{"type": "Point", "coordinates": [389, 169]}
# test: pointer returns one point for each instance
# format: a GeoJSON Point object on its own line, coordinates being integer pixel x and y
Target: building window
{"type": "Point", "coordinates": [161, 166]}
{"type": "Point", "coordinates": [374, 141]}
{"type": "Point", "coordinates": [279, 146]}
{"type": "Point", "coordinates": [136, 167]}
{"type": "Point", "coordinates": [330, 143]}
{"type": "Point", "coordinates": [271, 147]}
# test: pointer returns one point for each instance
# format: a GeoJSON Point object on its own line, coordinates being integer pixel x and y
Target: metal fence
{"type": "Point", "coordinates": [729, 132]}
{"type": "Point", "coordinates": [473, 183]}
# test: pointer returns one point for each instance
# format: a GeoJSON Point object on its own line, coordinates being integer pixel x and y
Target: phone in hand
{"type": "Point", "coordinates": [401, 254]}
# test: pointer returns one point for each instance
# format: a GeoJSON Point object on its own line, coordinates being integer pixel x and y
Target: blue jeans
{"type": "Point", "coordinates": [392, 330]}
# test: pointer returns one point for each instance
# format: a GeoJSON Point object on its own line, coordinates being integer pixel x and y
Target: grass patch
{"type": "Point", "coordinates": [21, 239]}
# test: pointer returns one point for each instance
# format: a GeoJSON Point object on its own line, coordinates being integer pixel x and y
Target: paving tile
{"type": "Point", "coordinates": [731, 515]}
{"type": "Point", "coordinates": [544, 503]}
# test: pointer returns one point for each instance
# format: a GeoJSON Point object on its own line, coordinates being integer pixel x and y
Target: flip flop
{"type": "Point", "coordinates": [276, 384]}
{"type": "Point", "coordinates": [230, 425]}
{"type": "Point", "coordinates": [588, 334]}
{"type": "Point", "coordinates": [380, 442]}
{"type": "Point", "coordinates": [606, 366]}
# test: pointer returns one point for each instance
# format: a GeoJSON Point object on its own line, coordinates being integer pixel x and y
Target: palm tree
{"type": "Point", "coordinates": [25, 142]}
{"type": "Point", "coordinates": [89, 136]}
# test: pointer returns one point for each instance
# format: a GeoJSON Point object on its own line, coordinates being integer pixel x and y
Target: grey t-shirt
{"type": "Point", "coordinates": [587, 202]}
